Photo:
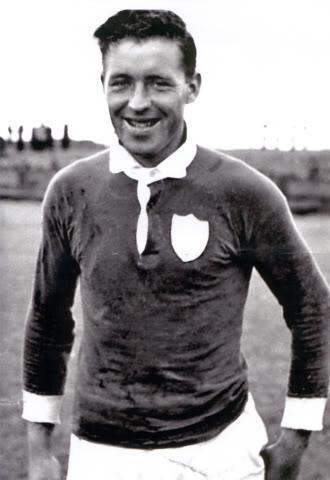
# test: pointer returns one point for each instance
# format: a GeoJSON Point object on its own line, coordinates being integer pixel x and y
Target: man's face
{"type": "Point", "coordinates": [146, 90]}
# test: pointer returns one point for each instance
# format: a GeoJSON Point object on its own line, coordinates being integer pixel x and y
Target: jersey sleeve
{"type": "Point", "coordinates": [286, 264]}
{"type": "Point", "coordinates": [42, 408]}
{"type": "Point", "coordinates": [49, 330]}
{"type": "Point", "coordinates": [304, 413]}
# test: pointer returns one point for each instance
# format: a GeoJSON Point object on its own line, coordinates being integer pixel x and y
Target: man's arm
{"type": "Point", "coordinates": [49, 334]}
{"type": "Point", "coordinates": [283, 459]}
{"type": "Point", "coordinates": [42, 464]}
{"type": "Point", "coordinates": [301, 417]}
{"type": "Point", "coordinates": [287, 266]}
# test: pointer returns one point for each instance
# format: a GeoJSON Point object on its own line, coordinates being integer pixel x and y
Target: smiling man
{"type": "Point", "coordinates": [147, 88]}
{"type": "Point", "coordinates": [164, 235]}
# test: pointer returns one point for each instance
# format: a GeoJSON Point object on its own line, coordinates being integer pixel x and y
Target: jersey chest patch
{"type": "Point", "coordinates": [189, 236]}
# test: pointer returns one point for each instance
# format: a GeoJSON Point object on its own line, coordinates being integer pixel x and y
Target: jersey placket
{"type": "Point", "coordinates": [143, 194]}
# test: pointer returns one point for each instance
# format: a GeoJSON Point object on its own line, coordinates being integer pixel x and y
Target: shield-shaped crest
{"type": "Point", "coordinates": [189, 236]}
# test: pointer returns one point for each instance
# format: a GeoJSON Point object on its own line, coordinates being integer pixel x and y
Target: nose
{"type": "Point", "coordinates": [139, 99]}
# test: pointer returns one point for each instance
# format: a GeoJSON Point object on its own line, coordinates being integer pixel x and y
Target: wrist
{"type": "Point", "coordinates": [39, 439]}
{"type": "Point", "coordinates": [296, 439]}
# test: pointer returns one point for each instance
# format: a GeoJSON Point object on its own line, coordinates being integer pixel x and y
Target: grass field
{"type": "Point", "coordinates": [266, 342]}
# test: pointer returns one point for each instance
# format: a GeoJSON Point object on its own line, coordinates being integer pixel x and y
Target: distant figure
{"type": "Point", "coordinates": [163, 236]}
{"type": "Point", "coordinates": [41, 138]}
{"type": "Point", "coordinates": [2, 147]}
{"type": "Point", "coordinates": [49, 136]}
{"type": "Point", "coordinates": [20, 142]}
{"type": "Point", "coordinates": [65, 142]}
{"type": "Point", "coordinates": [10, 133]}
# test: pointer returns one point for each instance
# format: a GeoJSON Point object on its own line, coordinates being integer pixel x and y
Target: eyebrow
{"type": "Point", "coordinates": [159, 77]}
{"type": "Point", "coordinates": [149, 77]}
{"type": "Point", "coordinates": [119, 75]}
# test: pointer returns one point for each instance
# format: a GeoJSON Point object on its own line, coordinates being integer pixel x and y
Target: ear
{"type": "Point", "coordinates": [102, 80]}
{"type": "Point", "coordinates": [194, 85]}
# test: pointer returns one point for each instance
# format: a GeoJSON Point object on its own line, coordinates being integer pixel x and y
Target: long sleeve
{"type": "Point", "coordinates": [304, 413]}
{"type": "Point", "coordinates": [287, 266]}
{"type": "Point", "coordinates": [49, 330]}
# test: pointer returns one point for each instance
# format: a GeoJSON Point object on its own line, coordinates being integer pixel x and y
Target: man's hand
{"type": "Point", "coordinates": [45, 468]}
{"type": "Point", "coordinates": [42, 464]}
{"type": "Point", "coordinates": [282, 459]}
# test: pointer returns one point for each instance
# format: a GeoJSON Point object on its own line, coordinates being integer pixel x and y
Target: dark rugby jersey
{"type": "Point", "coordinates": [160, 362]}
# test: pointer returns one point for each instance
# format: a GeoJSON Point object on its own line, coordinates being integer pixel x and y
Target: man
{"type": "Point", "coordinates": [163, 236]}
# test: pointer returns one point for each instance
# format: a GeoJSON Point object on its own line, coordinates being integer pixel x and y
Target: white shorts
{"type": "Point", "coordinates": [232, 455]}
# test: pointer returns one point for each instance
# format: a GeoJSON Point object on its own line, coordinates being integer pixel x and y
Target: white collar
{"type": "Point", "coordinates": [174, 166]}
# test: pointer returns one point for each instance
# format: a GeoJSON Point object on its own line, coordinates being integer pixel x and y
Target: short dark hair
{"type": "Point", "coordinates": [144, 24]}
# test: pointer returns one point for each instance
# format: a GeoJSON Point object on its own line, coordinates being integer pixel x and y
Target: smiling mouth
{"type": "Point", "coordinates": [141, 123]}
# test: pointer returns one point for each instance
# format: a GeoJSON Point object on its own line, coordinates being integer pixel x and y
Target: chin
{"type": "Point", "coordinates": [136, 148]}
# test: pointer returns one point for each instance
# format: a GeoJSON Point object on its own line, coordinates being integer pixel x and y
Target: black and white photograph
{"type": "Point", "coordinates": [164, 240]}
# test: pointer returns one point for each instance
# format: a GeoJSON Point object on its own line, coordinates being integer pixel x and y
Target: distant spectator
{"type": "Point", "coordinates": [65, 140]}
{"type": "Point", "coordinates": [49, 140]}
{"type": "Point", "coordinates": [2, 147]}
{"type": "Point", "coordinates": [10, 133]}
{"type": "Point", "coordinates": [41, 138]}
{"type": "Point", "coordinates": [20, 143]}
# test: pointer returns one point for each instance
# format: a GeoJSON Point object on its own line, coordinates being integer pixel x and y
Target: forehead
{"type": "Point", "coordinates": [150, 56]}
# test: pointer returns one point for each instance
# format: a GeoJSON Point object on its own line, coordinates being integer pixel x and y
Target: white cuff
{"type": "Point", "coordinates": [41, 408]}
{"type": "Point", "coordinates": [304, 413]}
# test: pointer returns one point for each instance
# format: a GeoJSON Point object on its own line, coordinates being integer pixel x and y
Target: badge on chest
{"type": "Point", "coordinates": [189, 236]}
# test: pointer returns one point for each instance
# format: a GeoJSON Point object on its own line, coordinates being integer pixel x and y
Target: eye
{"type": "Point", "coordinates": [119, 83]}
{"type": "Point", "coordinates": [161, 84]}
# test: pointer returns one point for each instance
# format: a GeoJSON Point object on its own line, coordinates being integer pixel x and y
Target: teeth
{"type": "Point", "coordinates": [141, 123]}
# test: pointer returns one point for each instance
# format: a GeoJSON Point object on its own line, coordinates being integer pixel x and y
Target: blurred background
{"type": "Point", "coordinates": [264, 98]}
